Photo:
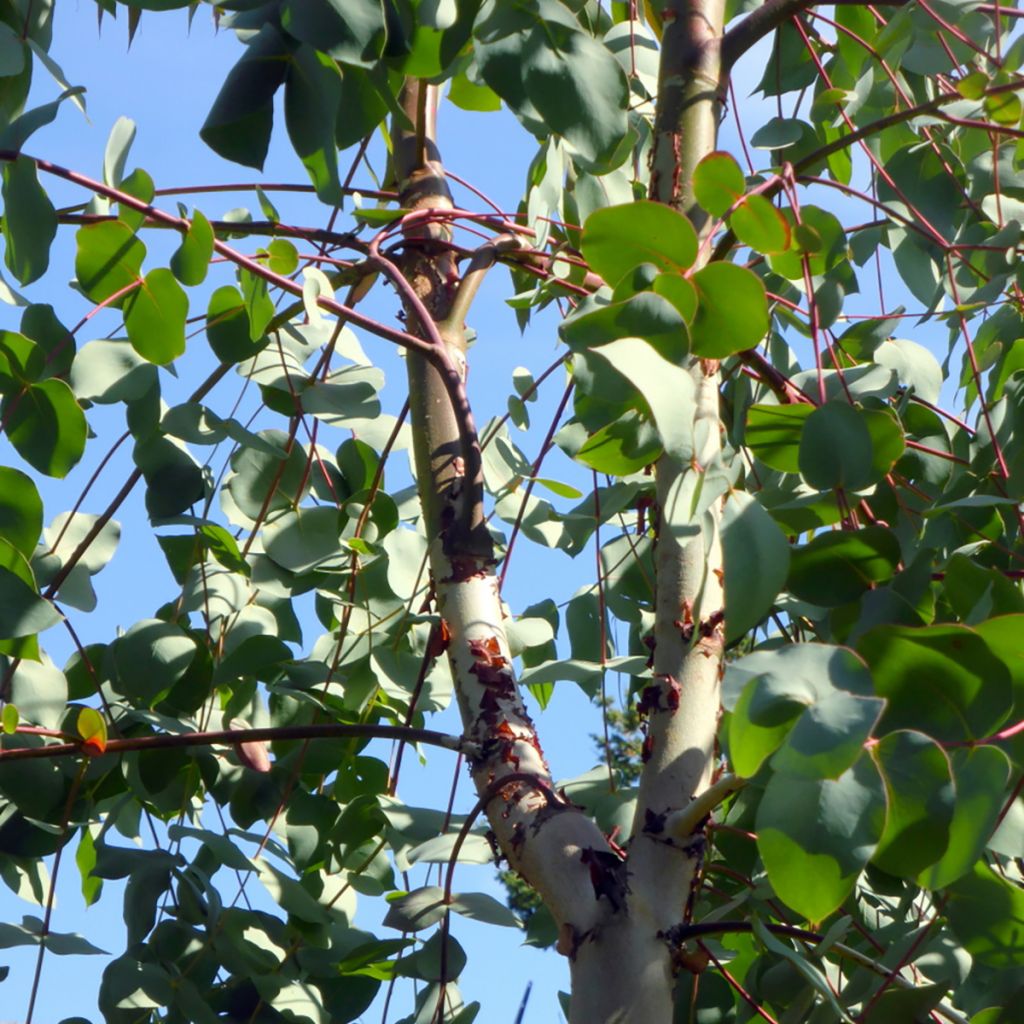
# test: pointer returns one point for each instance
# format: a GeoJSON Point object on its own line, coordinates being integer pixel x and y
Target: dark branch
{"type": "Point", "coordinates": [229, 737]}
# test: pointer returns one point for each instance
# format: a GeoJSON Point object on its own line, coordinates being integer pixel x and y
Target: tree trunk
{"type": "Point", "coordinates": [614, 916]}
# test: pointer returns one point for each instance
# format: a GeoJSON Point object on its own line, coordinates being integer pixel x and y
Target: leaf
{"type": "Point", "coordinates": [828, 737]}
{"type": "Point", "coordinates": [732, 311]}
{"type": "Point", "coordinates": [29, 933]}
{"type": "Point", "coordinates": [150, 658]}
{"type": "Point", "coordinates": [815, 836]}
{"type": "Point", "coordinates": [474, 850]}
{"type": "Point", "coordinates": [980, 775]}
{"type": "Point", "coordinates": [835, 448]}
{"type": "Point", "coordinates": [312, 92]}
{"type": "Point", "coordinates": [9, 719]}
{"type": "Point", "coordinates": [46, 425]}
{"type": "Point", "coordinates": [115, 155]}
{"type": "Point", "coordinates": [108, 259]}
{"type": "Point", "coordinates": [838, 567]}
{"type": "Point", "coordinates": [718, 182]}
{"type": "Point", "coordinates": [29, 221]}
{"type": "Point", "coordinates": [21, 511]}
{"type": "Point", "coordinates": [92, 730]}
{"type": "Point", "coordinates": [155, 317]}
{"type": "Point", "coordinates": [110, 370]}
{"type": "Point", "coordinates": [579, 90]}
{"type": "Point", "coordinates": [920, 802]}
{"type": "Point", "coordinates": [241, 120]}
{"type": "Point", "coordinates": [481, 907]}
{"type": "Point", "coordinates": [760, 225]}
{"type": "Point", "coordinates": [22, 611]}
{"type": "Point", "coordinates": [750, 538]}
{"type": "Point", "coordinates": [351, 31]}
{"type": "Point", "coordinates": [666, 388]}
{"type": "Point", "coordinates": [227, 326]}
{"type": "Point", "coordinates": [943, 680]}
{"type": "Point", "coordinates": [986, 913]}
{"type": "Point", "coordinates": [416, 910]}
{"type": "Point", "coordinates": [18, 131]}
{"type": "Point", "coordinates": [305, 538]}
{"type": "Point", "coordinates": [191, 259]}
{"type": "Point", "coordinates": [793, 677]}
{"type": "Point", "coordinates": [618, 238]}
{"type": "Point", "coordinates": [773, 434]}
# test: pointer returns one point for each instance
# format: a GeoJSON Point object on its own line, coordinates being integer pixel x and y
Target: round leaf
{"type": "Point", "coordinates": [835, 448]}
{"type": "Point", "coordinates": [155, 317]}
{"type": "Point", "coordinates": [46, 426]}
{"type": "Point", "coordinates": [732, 310]}
{"type": "Point", "coordinates": [919, 796]}
{"type": "Point", "coordinates": [815, 836]}
{"type": "Point", "coordinates": [618, 238]}
{"type": "Point", "coordinates": [718, 182]}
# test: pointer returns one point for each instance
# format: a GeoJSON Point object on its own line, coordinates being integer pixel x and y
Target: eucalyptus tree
{"type": "Point", "coordinates": [806, 568]}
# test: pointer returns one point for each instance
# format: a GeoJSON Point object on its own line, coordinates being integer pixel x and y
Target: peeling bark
{"type": "Point", "coordinates": [545, 838]}
{"type": "Point", "coordinates": [615, 916]}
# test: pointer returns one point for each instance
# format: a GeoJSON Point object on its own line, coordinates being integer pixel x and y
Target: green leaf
{"type": "Point", "coordinates": [21, 511]}
{"type": "Point", "coordinates": [312, 92]}
{"type": "Point", "coordinates": [22, 611]}
{"type": "Point", "coordinates": [155, 317]}
{"type": "Point", "coordinates": [835, 448]}
{"type": "Point", "coordinates": [110, 370]}
{"type": "Point", "coordinates": [819, 236]}
{"type": "Point", "coordinates": [718, 182]}
{"type": "Point", "coordinates": [29, 933]}
{"type": "Point", "coordinates": [191, 259]}
{"type": "Point", "coordinates": [618, 238]}
{"type": "Point", "coordinates": [920, 802]}
{"type": "Point", "coordinates": [732, 310]}
{"type": "Point", "coordinates": [227, 326]}
{"type": "Point", "coordinates": [643, 315]}
{"type": "Point", "coordinates": [108, 260]}
{"type": "Point", "coordinates": [174, 481]}
{"type": "Point", "coordinates": [29, 221]}
{"type": "Point", "coordinates": [666, 387]}
{"type": "Point", "coordinates": [416, 910]}
{"type": "Point", "coordinates": [46, 426]}
{"type": "Point", "coordinates": [579, 90]}
{"type": "Point", "coordinates": [150, 658]}
{"type": "Point", "coordinates": [351, 31]}
{"type": "Point", "coordinates": [620, 448]}
{"type": "Point", "coordinates": [760, 225]}
{"type": "Point", "coordinates": [9, 719]}
{"type": "Point", "coordinates": [18, 131]}
{"type": "Point", "coordinates": [943, 680]}
{"type": "Point", "coordinates": [750, 742]}
{"type": "Point", "coordinates": [828, 737]}
{"type": "Point", "coordinates": [138, 185]}
{"type": "Point", "coordinates": [40, 324]}
{"type": "Point", "coordinates": [838, 567]}
{"type": "Point", "coordinates": [773, 434]}
{"type": "Point", "coordinates": [980, 775]}
{"type": "Point", "coordinates": [815, 836]}
{"type": "Point", "coordinates": [481, 907]}
{"type": "Point", "coordinates": [241, 120]}
{"type": "Point", "coordinates": [304, 538]}
{"type": "Point", "coordinates": [986, 913]}
{"type": "Point", "coordinates": [750, 537]}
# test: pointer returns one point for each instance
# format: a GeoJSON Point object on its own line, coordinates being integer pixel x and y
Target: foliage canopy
{"type": "Point", "coordinates": [805, 567]}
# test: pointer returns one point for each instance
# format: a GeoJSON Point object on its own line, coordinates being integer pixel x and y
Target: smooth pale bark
{"type": "Point", "coordinates": [613, 915]}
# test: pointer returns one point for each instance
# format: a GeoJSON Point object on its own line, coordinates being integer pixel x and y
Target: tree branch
{"type": "Point", "coordinates": [230, 737]}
